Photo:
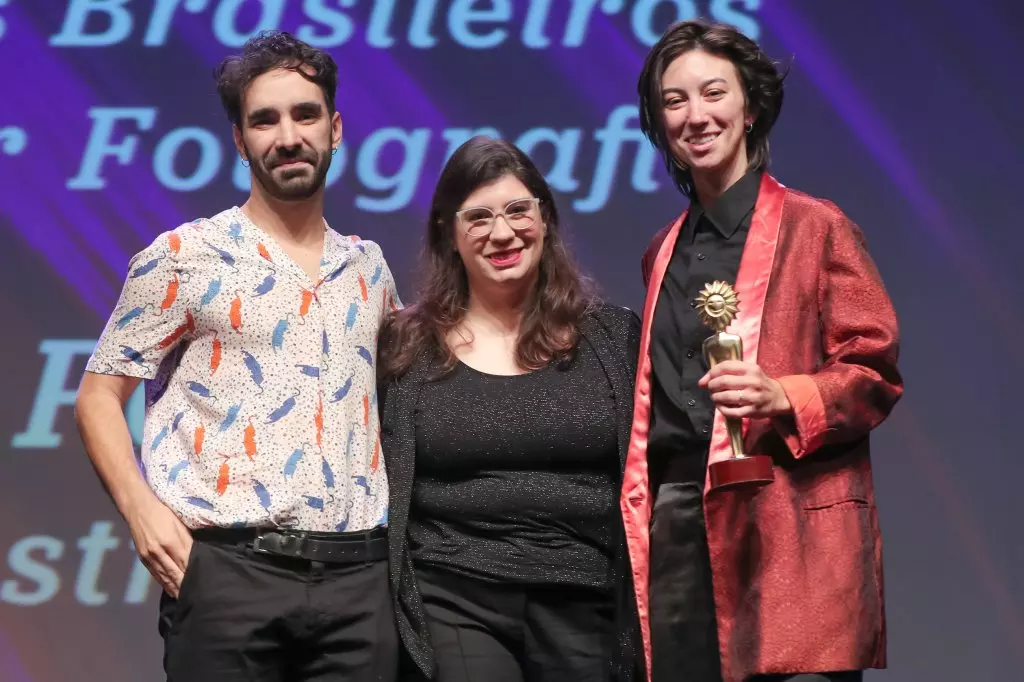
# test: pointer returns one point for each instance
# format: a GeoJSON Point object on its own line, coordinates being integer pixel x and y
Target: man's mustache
{"type": "Point", "coordinates": [279, 159]}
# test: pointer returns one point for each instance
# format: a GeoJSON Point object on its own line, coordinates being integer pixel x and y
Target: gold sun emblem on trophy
{"type": "Point", "coordinates": [717, 305]}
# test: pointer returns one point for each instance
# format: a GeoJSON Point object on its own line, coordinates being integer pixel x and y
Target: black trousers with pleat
{"type": "Point", "coordinates": [492, 632]}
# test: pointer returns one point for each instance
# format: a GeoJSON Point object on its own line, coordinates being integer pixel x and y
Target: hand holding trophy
{"type": "Point", "coordinates": [717, 305]}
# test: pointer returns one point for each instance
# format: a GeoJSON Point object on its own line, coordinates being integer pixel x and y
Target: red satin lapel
{"type": "Point", "coordinates": [635, 501]}
{"type": "Point", "coordinates": [751, 287]}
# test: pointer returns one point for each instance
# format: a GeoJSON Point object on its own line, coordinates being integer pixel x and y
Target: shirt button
{"type": "Point", "coordinates": [701, 256]}
{"type": "Point", "coordinates": [693, 304]}
{"type": "Point", "coordinates": [691, 402]}
{"type": "Point", "coordinates": [689, 353]}
{"type": "Point", "coordinates": [703, 429]}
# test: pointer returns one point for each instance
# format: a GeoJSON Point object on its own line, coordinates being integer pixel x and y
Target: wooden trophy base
{"type": "Point", "coordinates": [741, 472]}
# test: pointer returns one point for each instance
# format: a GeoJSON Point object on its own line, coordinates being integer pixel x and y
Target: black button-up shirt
{"type": "Point", "coordinates": [709, 248]}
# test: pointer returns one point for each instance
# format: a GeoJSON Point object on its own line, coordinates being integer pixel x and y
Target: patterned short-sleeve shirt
{"type": "Point", "coordinates": [261, 383]}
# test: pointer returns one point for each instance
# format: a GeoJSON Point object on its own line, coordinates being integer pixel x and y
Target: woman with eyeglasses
{"type": "Point", "coordinates": [506, 398]}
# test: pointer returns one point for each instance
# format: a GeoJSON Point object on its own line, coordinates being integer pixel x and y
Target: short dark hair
{"type": "Point", "coordinates": [759, 77]}
{"type": "Point", "coordinates": [552, 314]}
{"type": "Point", "coordinates": [266, 51]}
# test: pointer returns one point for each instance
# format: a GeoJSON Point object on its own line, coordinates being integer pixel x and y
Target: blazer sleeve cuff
{"type": "Point", "coordinates": [804, 430]}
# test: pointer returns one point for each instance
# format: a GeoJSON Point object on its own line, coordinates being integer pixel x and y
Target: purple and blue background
{"type": "Point", "coordinates": [906, 114]}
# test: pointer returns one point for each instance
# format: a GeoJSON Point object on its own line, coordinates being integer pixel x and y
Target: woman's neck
{"type": "Point", "coordinates": [495, 315]}
{"type": "Point", "coordinates": [710, 186]}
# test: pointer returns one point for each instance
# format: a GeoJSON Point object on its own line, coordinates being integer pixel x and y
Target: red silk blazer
{"type": "Point", "coordinates": [796, 565]}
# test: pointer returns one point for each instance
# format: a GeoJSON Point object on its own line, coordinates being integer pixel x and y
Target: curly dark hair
{"type": "Point", "coordinates": [761, 81]}
{"type": "Point", "coordinates": [552, 313]}
{"type": "Point", "coordinates": [266, 51]}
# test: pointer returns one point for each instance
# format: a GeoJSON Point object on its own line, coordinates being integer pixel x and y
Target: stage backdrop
{"type": "Point", "coordinates": [906, 114]}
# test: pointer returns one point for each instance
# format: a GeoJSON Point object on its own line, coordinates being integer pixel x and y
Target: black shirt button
{"type": "Point", "coordinates": [693, 304]}
{"type": "Point", "coordinates": [691, 402]}
{"type": "Point", "coordinates": [703, 429]}
{"type": "Point", "coordinates": [701, 256]}
{"type": "Point", "coordinates": [689, 353]}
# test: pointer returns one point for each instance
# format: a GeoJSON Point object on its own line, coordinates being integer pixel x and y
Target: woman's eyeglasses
{"type": "Point", "coordinates": [520, 214]}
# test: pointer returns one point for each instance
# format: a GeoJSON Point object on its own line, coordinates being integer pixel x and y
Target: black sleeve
{"type": "Point", "coordinates": [384, 347]}
{"type": "Point", "coordinates": [623, 326]}
{"type": "Point", "coordinates": [633, 339]}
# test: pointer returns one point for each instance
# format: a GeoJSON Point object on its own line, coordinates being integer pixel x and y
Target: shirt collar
{"type": "Point", "coordinates": [727, 214]}
{"type": "Point", "coordinates": [337, 251]}
{"type": "Point", "coordinates": [337, 248]}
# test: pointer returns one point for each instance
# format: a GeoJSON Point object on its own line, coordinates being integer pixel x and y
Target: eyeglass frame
{"type": "Point", "coordinates": [535, 201]}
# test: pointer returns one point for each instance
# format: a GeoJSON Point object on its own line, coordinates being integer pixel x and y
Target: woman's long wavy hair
{"type": "Point", "coordinates": [552, 313]}
{"type": "Point", "coordinates": [761, 81]}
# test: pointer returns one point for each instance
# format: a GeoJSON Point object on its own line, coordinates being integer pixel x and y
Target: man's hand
{"type": "Point", "coordinates": [162, 541]}
{"type": "Point", "coordinates": [741, 389]}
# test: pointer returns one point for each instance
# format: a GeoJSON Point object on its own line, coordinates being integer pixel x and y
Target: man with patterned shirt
{"type": "Point", "coordinates": [261, 508]}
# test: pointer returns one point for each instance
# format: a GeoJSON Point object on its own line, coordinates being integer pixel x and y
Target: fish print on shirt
{"type": "Point", "coordinates": [261, 391]}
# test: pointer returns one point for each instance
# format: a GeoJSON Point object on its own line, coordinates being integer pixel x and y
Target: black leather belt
{"type": "Point", "coordinates": [357, 547]}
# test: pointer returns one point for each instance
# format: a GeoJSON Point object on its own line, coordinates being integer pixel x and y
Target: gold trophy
{"type": "Point", "coordinates": [717, 305]}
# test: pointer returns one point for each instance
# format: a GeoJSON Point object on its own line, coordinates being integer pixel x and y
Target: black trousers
{"type": "Point", "coordinates": [247, 616]}
{"type": "Point", "coordinates": [684, 633]}
{"type": "Point", "coordinates": [488, 632]}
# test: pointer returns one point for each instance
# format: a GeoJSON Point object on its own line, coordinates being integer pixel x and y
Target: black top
{"type": "Point", "coordinates": [709, 248]}
{"type": "Point", "coordinates": [613, 333]}
{"type": "Point", "coordinates": [517, 476]}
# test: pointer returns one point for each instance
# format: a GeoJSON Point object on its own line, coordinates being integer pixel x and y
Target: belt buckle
{"type": "Point", "coordinates": [288, 544]}
{"type": "Point", "coordinates": [255, 545]}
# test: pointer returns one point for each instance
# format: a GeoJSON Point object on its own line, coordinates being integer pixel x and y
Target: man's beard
{"type": "Point", "coordinates": [291, 184]}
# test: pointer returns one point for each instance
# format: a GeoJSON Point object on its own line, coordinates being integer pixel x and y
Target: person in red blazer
{"type": "Point", "coordinates": [781, 581]}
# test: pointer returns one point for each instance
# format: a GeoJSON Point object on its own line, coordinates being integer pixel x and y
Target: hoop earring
{"type": "Point", "coordinates": [750, 126]}
{"type": "Point", "coordinates": [334, 151]}
{"type": "Point", "coordinates": [245, 162]}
